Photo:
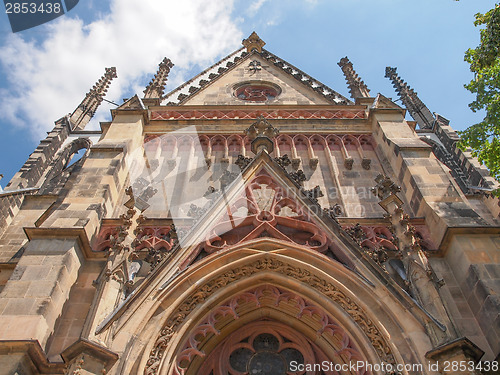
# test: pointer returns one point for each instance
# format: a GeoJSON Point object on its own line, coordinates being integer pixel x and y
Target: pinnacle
{"type": "Point", "coordinates": [357, 87]}
{"type": "Point", "coordinates": [156, 87]}
{"type": "Point", "coordinates": [253, 43]}
{"type": "Point", "coordinates": [85, 111]}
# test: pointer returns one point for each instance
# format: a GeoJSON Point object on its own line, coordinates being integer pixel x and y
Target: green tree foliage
{"type": "Point", "coordinates": [484, 137]}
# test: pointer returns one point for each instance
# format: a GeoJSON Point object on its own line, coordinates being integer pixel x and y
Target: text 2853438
{"type": "Point", "coordinates": [33, 8]}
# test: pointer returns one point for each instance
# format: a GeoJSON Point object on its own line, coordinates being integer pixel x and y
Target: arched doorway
{"type": "Point", "coordinates": [269, 283]}
{"type": "Point", "coordinates": [267, 330]}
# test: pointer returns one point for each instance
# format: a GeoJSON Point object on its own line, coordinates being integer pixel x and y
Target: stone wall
{"type": "Point", "coordinates": [475, 263]}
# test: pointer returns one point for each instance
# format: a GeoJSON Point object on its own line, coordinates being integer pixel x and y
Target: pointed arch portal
{"type": "Point", "coordinates": [222, 325]}
{"type": "Point", "coordinates": [266, 330]}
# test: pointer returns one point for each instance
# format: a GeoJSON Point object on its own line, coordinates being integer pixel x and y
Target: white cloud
{"type": "Point", "coordinates": [255, 6]}
{"type": "Point", "coordinates": [48, 80]}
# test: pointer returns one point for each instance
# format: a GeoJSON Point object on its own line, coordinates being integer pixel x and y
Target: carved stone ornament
{"type": "Point", "coordinates": [261, 133]}
{"type": "Point", "coordinates": [333, 211]}
{"type": "Point", "coordinates": [378, 255]}
{"type": "Point", "coordinates": [261, 128]}
{"type": "Point", "coordinates": [417, 109]}
{"type": "Point", "coordinates": [254, 66]}
{"type": "Point", "coordinates": [87, 108]}
{"type": "Point", "coordinates": [195, 211]}
{"type": "Point", "coordinates": [262, 296]}
{"type": "Point", "coordinates": [348, 163]}
{"type": "Point", "coordinates": [357, 87]}
{"type": "Point", "coordinates": [357, 233]}
{"type": "Point", "coordinates": [299, 176]}
{"type": "Point", "coordinates": [212, 193]}
{"type": "Point", "coordinates": [264, 209]}
{"type": "Point", "coordinates": [314, 193]}
{"type": "Point", "coordinates": [203, 292]}
{"type": "Point", "coordinates": [366, 163]}
{"type": "Point", "coordinates": [156, 87]}
{"type": "Point", "coordinates": [152, 244]}
{"type": "Point", "coordinates": [227, 178]}
{"type": "Point", "coordinates": [242, 161]}
{"type": "Point", "coordinates": [283, 161]}
{"type": "Point", "coordinates": [313, 163]}
{"type": "Point", "coordinates": [119, 235]}
{"type": "Point", "coordinates": [422, 280]}
{"type": "Point", "coordinates": [384, 187]}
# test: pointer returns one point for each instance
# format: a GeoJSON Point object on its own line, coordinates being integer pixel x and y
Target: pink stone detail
{"type": "Point", "coordinates": [258, 296]}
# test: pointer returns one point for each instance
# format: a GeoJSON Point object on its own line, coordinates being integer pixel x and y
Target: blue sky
{"type": "Point", "coordinates": [46, 71]}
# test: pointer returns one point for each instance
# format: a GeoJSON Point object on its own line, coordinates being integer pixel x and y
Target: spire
{"type": "Point", "coordinates": [157, 85]}
{"type": "Point", "coordinates": [87, 108]}
{"type": "Point", "coordinates": [253, 42]}
{"type": "Point", "coordinates": [413, 104]}
{"type": "Point", "coordinates": [357, 87]}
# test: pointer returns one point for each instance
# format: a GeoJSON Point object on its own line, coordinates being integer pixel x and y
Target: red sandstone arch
{"type": "Point", "coordinates": [168, 142]}
{"type": "Point", "coordinates": [284, 310]}
{"type": "Point", "coordinates": [218, 143]}
{"type": "Point", "coordinates": [367, 142]}
{"type": "Point", "coordinates": [301, 142]}
{"type": "Point", "coordinates": [185, 143]}
{"type": "Point", "coordinates": [282, 217]}
{"type": "Point", "coordinates": [284, 143]}
{"type": "Point", "coordinates": [235, 145]}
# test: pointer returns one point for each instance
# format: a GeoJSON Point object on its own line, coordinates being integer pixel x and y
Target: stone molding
{"type": "Point", "coordinates": [203, 292]}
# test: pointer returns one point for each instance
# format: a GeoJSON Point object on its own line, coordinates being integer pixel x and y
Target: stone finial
{"type": "Point", "coordinates": [155, 88]}
{"type": "Point", "coordinates": [357, 87]}
{"type": "Point", "coordinates": [261, 128]}
{"type": "Point", "coordinates": [253, 42]}
{"type": "Point", "coordinates": [261, 133]}
{"type": "Point", "coordinates": [420, 113]}
{"type": "Point", "coordinates": [87, 108]}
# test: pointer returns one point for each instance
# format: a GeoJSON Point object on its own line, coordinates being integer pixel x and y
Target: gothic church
{"type": "Point", "coordinates": [251, 221]}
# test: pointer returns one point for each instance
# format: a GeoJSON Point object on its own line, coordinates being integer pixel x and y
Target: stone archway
{"type": "Point", "coordinates": [231, 338]}
{"type": "Point", "coordinates": [186, 304]}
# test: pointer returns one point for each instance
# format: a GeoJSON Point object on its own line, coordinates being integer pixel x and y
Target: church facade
{"type": "Point", "coordinates": [251, 221]}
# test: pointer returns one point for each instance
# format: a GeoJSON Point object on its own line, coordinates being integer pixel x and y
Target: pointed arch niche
{"type": "Point", "coordinates": [266, 330]}
{"type": "Point", "coordinates": [224, 304]}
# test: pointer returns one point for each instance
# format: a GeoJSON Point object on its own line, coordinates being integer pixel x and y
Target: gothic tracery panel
{"type": "Point", "coordinates": [265, 346]}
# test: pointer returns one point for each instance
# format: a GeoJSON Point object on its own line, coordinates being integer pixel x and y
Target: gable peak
{"type": "Point", "coordinates": [253, 43]}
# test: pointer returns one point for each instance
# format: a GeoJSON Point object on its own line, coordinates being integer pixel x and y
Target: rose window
{"type": "Point", "coordinates": [265, 354]}
{"type": "Point", "coordinates": [257, 92]}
